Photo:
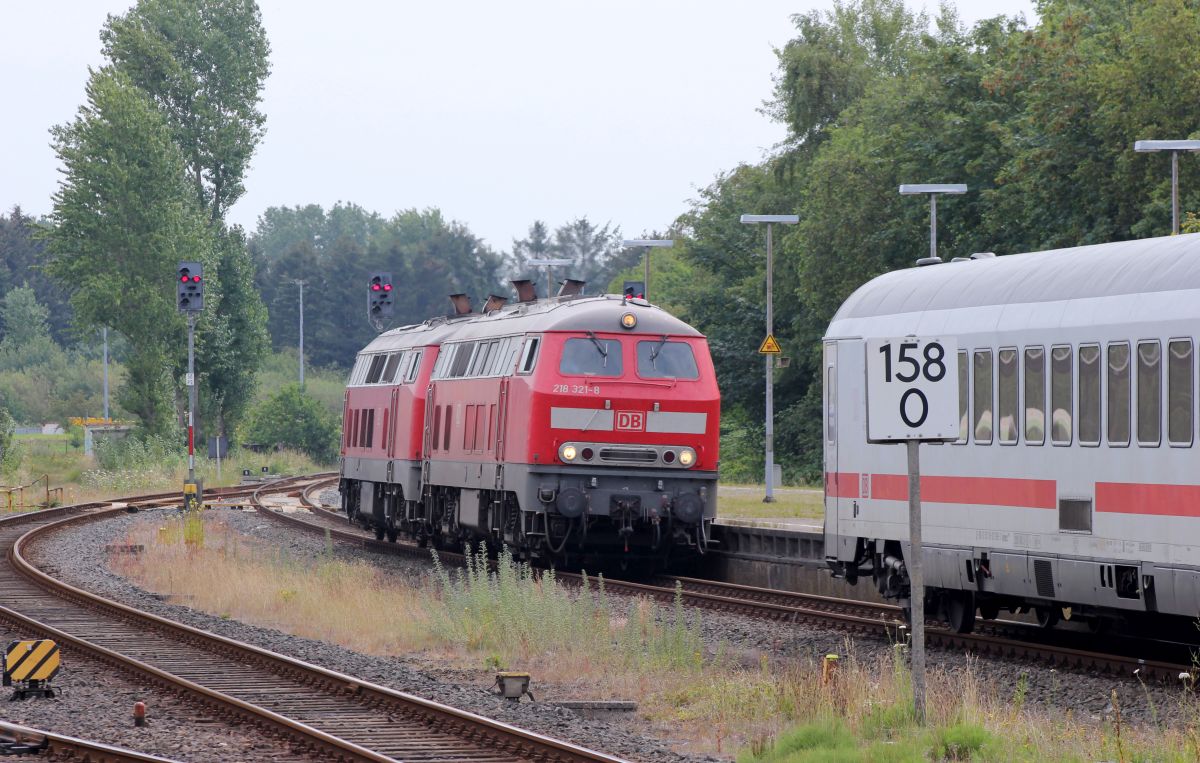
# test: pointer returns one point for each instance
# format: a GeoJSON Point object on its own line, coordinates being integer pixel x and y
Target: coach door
{"type": "Point", "coordinates": [829, 399]}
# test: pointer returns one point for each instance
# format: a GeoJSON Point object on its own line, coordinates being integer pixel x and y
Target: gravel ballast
{"type": "Point", "coordinates": [77, 557]}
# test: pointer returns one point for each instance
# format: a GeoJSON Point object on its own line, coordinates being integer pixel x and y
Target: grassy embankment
{"type": "Point", "coordinates": [746, 502]}
{"type": "Point", "coordinates": [606, 647]}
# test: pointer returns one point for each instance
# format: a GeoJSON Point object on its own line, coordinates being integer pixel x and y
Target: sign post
{"type": "Point", "coordinates": [912, 397]}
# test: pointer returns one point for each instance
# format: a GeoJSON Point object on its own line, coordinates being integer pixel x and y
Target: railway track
{"type": "Point", "coordinates": [20, 740]}
{"type": "Point", "coordinates": [323, 713]}
{"type": "Point", "coordinates": [1003, 639]}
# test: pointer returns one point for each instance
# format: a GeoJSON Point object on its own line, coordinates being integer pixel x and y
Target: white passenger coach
{"type": "Point", "coordinates": [1073, 488]}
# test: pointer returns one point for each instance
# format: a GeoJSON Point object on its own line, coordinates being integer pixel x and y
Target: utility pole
{"type": "Point", "coordinates": [770, 220]}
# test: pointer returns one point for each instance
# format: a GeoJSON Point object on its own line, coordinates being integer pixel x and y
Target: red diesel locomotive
{"type": "Point", "coordinates": [574, 430]}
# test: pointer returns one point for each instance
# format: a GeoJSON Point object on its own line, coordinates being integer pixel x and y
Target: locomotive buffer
{"type": "Point", "coordinates": [912, 397]}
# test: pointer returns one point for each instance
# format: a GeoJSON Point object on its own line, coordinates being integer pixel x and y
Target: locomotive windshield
{"type": "Point", "coordinates": [666, 360]}
{"type": "Point", "coordinates": [591, 357]}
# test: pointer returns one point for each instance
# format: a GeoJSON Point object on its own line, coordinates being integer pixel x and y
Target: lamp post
{"type": "Point", "coordinates": [770, 220]}
{"type": "Point", "coordinates": [300, 283]}
{"type": "Point", "coordinates": [933, 189]}
{"type": "Point", "coordinates": [104, 333]}
{"type": "Point", "coordinates": [648, 244]}
{"type": "Point", "coordinates": [547, 263]}
{"type": "Point", "coordinates": [1174, 146]}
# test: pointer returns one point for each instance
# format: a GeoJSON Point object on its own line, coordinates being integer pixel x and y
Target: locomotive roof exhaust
{"type": "Point", "coordinates": [525, 290]}
{"type": "Point", "coordinates": [570, 287]}
{"type": "Point", "coordinates": [462, 304]}
{"type": "Point", "coordinates": [494, 302]}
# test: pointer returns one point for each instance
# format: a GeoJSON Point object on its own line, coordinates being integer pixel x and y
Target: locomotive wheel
{"type": "Point", "coordinates": [960, 610]}
{"type": "Point", "coordinates": [378, 532]}
{"type": "Point", "coordinates": [392, 534]}
{"type": "Point", "coordinates": [1047, 617]}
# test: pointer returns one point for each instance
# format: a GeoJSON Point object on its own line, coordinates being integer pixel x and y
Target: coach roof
{"type": "Point", "coordinates": [1170, 263]}
{"type": "Point", "coordinates": [601, 314]}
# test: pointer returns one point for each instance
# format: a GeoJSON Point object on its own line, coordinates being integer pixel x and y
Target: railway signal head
{"type": "Point", "coordinates": [379, 295]}
{"type": "Point", "coordinates": [189, 287]}
{"type": "Point", "coordinates": [635, 289]}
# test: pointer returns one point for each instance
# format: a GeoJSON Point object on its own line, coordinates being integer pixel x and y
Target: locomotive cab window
{"type": "Point", "coordinates": [1179, 392]}
{"type": "Point", "coordinates": [1006, 405]}
{"type": "Point", "coordinates": [1118, 394]}
{"type": "Point", "coordinates": [983, 397]}
{"type": "Point", "coordinates": [666, 360]}
{"type": "Point", "coordinates": [1149, 394]}
{"type": "Point", "coordinates": [591, 357]}
{"type": "Point", "coordinates": [1089, 394]}
{"type": "Point", "coordinates": [1061, 429]}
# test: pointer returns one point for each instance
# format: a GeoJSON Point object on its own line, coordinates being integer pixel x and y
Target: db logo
{"type": "Point", "coordinates": [631, 421]}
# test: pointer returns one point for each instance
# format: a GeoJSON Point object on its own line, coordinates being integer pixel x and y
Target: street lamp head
{"type": "Point", "coordinates": [667, 242]}
{"type": "Point", "coordinates": [551, 261]}
{"type": "Point", "coordinates": [784, 219]}
{"type": "Point", "coordinates": [915, 188]}
{"type": "Point", "coordinates": [1144, 146]}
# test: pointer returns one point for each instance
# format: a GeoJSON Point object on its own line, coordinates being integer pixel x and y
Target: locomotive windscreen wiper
{"type": "Point", "coordinates": [600, 348]}
{"type": "Point", "coordinates": [657, 349]}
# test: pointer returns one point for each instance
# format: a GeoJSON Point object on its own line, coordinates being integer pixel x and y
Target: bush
{"type": "Point", "coordinates": [9, 455]}
{"type": "Point", "coordinates": [962, 741]}
{"type": "Point", "coordinates": [292, 419]}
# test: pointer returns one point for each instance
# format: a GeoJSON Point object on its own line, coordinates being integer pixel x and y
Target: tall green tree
{"type": "Point", "coordinates": [203, 63]}
{"type": "Point", "coordinates": [123, 217]}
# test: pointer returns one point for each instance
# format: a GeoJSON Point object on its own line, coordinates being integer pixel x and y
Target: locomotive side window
{"type": "Point", "coordinates": [1149, 394]}
{"type": "Point", "coordinates": [964, 415]}
{"type": "Point", "coordinates": [983, 397]}
{"type": "Point", "coordinates": [389, 370]}
{"type": "Point", "coordinates": [359, 370]}
{"type": "Point", "coordinates": [1035, 395]}
{"type": "Point", "coordinates": [414, 365]}
{"type": "Point", "coordinates": [469, 417]}
{"type": "Point", "coordinates": [1006, 404]}
{"type": "Point", "coordinates": [591, 357]}
{"type": "Point", "coordinates": [1118, 394]}
{"type": "Point", "coordinates": [446, 428]}
{"type": "Point", "coordinates": [1060, 395]}
{"type": "Point", "coordinates": [377, 364]}
{"type": "Point", "coordinates": [462, 359]}
{"type": "Point", "coordinates": [437, 427]}
{"type": "Point", "coordinates": [370, 428]}
{"type": "Point", "coordinates": [1089, 394]}
{"type": "Point", "coordinates": [1179, 392]}
{"type": "Point", "coordinates": [666, 360]}
{"type": "Point", "coordinates": [529, 355]}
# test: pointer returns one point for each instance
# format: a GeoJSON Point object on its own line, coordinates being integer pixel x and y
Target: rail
{"type": "Point", "coordinates": [19, 491]}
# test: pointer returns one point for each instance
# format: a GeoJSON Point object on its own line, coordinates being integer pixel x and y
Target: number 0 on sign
{"type": "Point", "coordinates": [912, 389]}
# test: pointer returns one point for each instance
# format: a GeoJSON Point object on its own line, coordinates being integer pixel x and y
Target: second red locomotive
{"type": "Point", "coordinates": [574, 429]}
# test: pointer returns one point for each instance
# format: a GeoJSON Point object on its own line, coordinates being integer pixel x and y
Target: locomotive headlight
{"type": "Point", "coordinates": [687, 457]}
{"type": "Point", "coordinates": [628, 321]}
{"type": "Point", "coordinates": [567, 453]}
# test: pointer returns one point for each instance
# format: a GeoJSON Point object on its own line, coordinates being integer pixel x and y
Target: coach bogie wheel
{"type": "Point", "coordinates": [392, 535]}
{"type": "Point", "coordinates": [1048, 617]}
{"type": "Point", "coordinates": [989, 610]}
{"type": "Point", "coordinates": [379, 532]}
{"type": "Point", "coordinates": [960, 610]}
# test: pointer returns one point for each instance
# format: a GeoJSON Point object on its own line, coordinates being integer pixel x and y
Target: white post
{"type": "Point", "coordinates": [933, 225]}
{"type": "Point", "coordinates": [301, 283]}
{"type": "Point", "coordinates": [104, 332]}
{"type": "Point", "coordinates": [916, 579]}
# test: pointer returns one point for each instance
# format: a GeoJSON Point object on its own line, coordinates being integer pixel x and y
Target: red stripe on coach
{"type": "Point", "coordinates": [1137, 498]}
{"type": "Point", "coordinates": [977, 491]}
{"type": "Point", "coordinates": [841, 484]}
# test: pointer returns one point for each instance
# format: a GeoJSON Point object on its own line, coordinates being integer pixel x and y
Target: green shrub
{"type": "Point", "coordinates": [292, 419]}
{"type": "Point", "coordinates": [962, 741]}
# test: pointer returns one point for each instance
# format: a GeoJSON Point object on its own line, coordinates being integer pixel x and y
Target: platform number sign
{"type": "Point", "coordinates": [912, 389]}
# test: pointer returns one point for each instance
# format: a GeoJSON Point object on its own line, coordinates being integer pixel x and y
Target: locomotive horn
{"type": "Point", "coordinates": [494, 302]}
{"type": "Point", "coordinates": [462, 304]}
{"type": "Point", "coordinates": [525, 290]}
{"type": "Point", "coordinates": [571, 287]}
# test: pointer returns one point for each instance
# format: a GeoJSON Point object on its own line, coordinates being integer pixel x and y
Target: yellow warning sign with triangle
{"type": "Point", "coordinates": [769, 346]}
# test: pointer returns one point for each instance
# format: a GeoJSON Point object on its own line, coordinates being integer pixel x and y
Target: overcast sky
{"type": "Point", "coordinates": [499, 113]}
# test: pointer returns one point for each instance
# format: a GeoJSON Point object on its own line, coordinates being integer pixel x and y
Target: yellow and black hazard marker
{"type": "Point", "coordinates": [29, 665]}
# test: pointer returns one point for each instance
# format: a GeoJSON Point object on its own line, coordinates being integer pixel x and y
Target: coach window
{"type": "Point", "coordinates": [964, 399]}
{"type": "Point", "coordinates": [1035, 396]}
{"type": "Point", "coordinates": [529, 355]}
{"type": "Point", "coordinates": [983, 397]}
{"type": "Point", "coordinates": [389, 370]}
{"type": "Point", "coordinates": [1179, 392]}
{"type": "Point", "coordinates": [591, 357]}
{"type": "Point", "coordinates": [666, 360]}
{"type": "Point", "coordinates": [1060, 395]}
{"type": "Point", "coordinates": [1089, 394]}
{"type": "Point", "coordinates": [1149, 394]}
{"type": "Point", "coordinates": [1006, 403]}
{"type": "Point", "coordinates": [1118, 394]}
{"type": "Point", "coordinates": [831, 404]}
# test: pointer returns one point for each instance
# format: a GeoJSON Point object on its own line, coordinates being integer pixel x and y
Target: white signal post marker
{"type": "Point", "coordinates": [912, 397]}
